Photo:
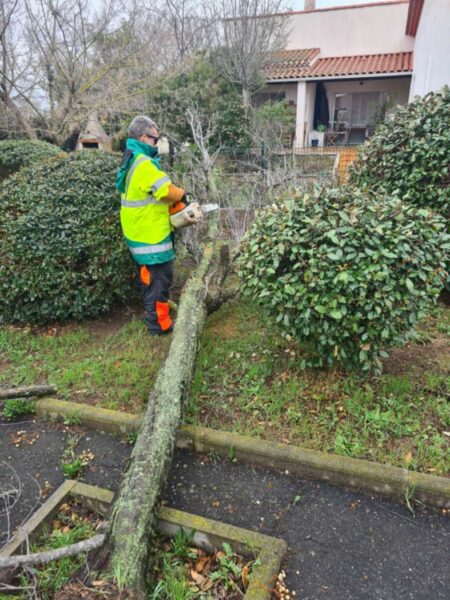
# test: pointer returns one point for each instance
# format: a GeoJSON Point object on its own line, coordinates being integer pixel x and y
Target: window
{"type": "Point", "coordinates": [357, 109]}
{"type": "Point", "coordinates": [271, 97]}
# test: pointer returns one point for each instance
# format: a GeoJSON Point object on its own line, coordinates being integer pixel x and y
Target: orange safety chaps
{"type": "Point", "coordinates": [154, 283]}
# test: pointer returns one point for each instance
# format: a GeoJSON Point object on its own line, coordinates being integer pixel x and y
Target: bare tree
{"type": "Point", "coordinates": [15, 62]}
{"type": "Point", "coordinates": [59, 59]}
{"type": "Point", "coordinates": [245, 32]}
{"type": "Point", "coordinates": [202, 130]}
{"type": "Point", "coordinates": [76, 49]}
{"type": "Point", "coordinates": [184, 23]}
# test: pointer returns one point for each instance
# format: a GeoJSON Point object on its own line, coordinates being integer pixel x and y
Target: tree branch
{"type": "Point", "coordinates": [42, 558]}
{"type": "Point", "coordinates": [26, 391]}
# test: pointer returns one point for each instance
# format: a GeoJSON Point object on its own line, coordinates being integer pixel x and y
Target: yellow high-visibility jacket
{"type": "Point", "coordinates": [144, 212]}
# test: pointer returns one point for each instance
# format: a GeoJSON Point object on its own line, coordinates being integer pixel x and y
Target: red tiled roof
{"type": "Point", "coordinates": [372, 64]}
{"type": "Point", "coordinates": [286, 64]}
{"type": "Point", "coordinates": [299, 64]}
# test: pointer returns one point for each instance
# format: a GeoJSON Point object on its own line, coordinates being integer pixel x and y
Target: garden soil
{"type": "Point", "coordinates": [342, 545]}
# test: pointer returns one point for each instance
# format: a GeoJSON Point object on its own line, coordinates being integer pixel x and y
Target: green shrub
{"type": "Point", "coordinates": [15, 408]}
{"type": "Point", "coordinates": [347, 273]}
{"type": "Point", "coordinates": [15, 154]}
{"type": "Point", "coordinates": [409, 154]}
{"type": "Point", "coordinates": [62, 254]}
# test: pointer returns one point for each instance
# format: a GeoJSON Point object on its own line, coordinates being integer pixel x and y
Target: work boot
{"type": "Point", "coordinates": [161, 332]}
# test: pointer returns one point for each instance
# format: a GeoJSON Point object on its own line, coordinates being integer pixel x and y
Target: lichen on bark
{"type": "Point", "coordinates": [134, 512]}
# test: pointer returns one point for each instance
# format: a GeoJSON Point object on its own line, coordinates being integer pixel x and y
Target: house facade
{"type": "Point", "coordinates": [344, 68]}
{"type": "Point", "coordinates": [429, 24]}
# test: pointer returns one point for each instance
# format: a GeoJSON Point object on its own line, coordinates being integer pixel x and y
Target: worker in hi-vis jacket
{"type": "Point", "coordinates": [146, 196]}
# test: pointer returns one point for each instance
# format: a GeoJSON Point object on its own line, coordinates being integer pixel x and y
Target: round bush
{"type": "Point", "coordinates": [348, 274]}
{"type": "Point", "coordinates": [14, 154]}
{"type": "Point", "coordinates": [62, 253]}
{"type": "Point", "coordinates": [409, 154]}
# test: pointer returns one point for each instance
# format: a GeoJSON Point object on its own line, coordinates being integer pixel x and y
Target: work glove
{"type": "Point", "coordinates": [188, 198]}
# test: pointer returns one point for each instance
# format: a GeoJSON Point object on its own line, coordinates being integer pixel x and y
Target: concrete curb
{"type": "Point", "coordinates": [33, 527]}
{"type": "Point", "coordinates": [111, 421]}
{"type": "Point", "coordinates": [208, 534]}
{"type": "Point", "coordinates": [342, 470]}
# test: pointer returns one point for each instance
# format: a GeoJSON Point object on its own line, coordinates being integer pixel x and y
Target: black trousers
{"type": "Point", "coordinates": [154, 284]}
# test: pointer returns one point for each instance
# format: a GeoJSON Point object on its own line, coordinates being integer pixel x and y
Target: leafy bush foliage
{"type": "Point", "coordinates": [62, 254]}
{"type": "Point", "coordinates": [409, 155]}
{"type": "Point", "coordinates": [348, 273]}
{"type": "Point", "coordinates": [14, 154]}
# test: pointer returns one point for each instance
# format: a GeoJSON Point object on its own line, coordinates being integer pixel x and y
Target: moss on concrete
{"type": "Point", "coordinates": [210, 535]}
{"type": "Point", "coordinates": [361, 474]}
{"type": "Point", "coordinates": [111, 421]}
{"type": "Point", "coordinates": [353, 472]}
{"type": "Point", "coordinates": [95, 498]}
{"type": "Point", "coordinates": [32, 528]}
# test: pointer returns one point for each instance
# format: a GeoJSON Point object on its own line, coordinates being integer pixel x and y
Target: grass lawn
{"type": "Point", "coordinates": [110, 362]}
{"type": "Point", "coordinates": [248, 381]}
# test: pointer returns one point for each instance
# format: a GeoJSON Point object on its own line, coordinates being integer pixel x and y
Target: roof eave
{"type": "Point", "coordinates": [414, 14]}
{"type": "Point", "coordinates": [370, 4]}
{"type": "Point", "coordinates": [335, 77]}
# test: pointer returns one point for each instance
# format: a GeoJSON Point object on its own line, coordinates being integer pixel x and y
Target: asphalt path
{"type": "Point", "coordinates": [342, 545]}
{"type": "Point", "coordinates": [31, 455]}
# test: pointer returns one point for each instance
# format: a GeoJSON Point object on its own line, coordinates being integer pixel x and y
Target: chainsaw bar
{"type": "Point", "coordinates": [206, 208]}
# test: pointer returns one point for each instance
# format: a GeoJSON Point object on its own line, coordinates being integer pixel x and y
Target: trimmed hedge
{"type": "Point", "coordinates": [15, 154]}
{"type": "Point", "coordinates": [347, 273]}
{"type": "Point", "coordinates": [62, 253]}
{"type": "Point", "coordinates": [409, 154]}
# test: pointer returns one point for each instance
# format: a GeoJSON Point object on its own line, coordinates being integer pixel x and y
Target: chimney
{"type": "Point", "coordinates": [310, 5]}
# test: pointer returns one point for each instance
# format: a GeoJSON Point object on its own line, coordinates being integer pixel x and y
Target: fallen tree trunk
{"type": "Point", "coordinates": [134, 512]}
{"type": "Point", "coordinates": [27, 391]}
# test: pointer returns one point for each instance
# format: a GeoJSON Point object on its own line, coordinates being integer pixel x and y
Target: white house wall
{"type": "Point", "coordinates": [300, 121]}
{"type": "Point", "coordinates": [432, 49]}
{"type": "Point", "coordinates": [353, 31]}
{"type": "Point", "coordinates": [289, 89]}
{"type": "Point", "coordinates": [309, 108]}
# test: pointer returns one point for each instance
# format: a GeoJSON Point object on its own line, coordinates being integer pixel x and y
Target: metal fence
{"type": "Point", "coordinates": [325, 163]}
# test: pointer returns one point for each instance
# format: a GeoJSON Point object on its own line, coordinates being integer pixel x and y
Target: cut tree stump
{"type": "Point", "coordinates": [133, 516]}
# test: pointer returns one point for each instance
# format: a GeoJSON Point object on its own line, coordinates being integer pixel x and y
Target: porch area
{"type": "Point", "coordinates": [338, 101]}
